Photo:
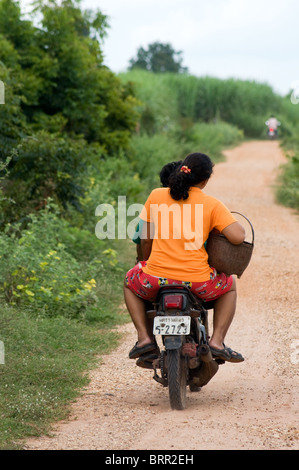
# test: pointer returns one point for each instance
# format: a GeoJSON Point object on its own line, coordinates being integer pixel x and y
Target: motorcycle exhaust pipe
{"type": "Point", "coordinates": [208, 368]}
{"type": "Point", "coordinates": [205, 353]}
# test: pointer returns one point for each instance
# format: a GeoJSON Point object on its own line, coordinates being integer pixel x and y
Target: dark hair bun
{"type": "Point", "coordinates": [201, 168]}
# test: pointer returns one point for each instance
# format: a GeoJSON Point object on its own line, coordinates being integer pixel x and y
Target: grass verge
{"type": "Point", "coordinates": [47, 359]}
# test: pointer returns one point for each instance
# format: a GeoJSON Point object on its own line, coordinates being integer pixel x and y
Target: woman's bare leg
{"type": "Point", "coordinates": [224, 311]}
{"type": "Point", "coordinates": [136, 308]}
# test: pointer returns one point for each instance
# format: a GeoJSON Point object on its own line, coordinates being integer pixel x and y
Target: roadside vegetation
{"type": "Point", "coordinates": [74, 135]}
{"type": "Point", "coordinates": [287, 190]}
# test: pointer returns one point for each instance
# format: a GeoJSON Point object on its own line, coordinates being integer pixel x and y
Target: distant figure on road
{"type": "Point", "coordinates": [272, 124]}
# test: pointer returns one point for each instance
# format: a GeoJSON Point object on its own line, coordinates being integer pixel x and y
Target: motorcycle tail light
{"type": "Point", "coordinates": [173, 301]}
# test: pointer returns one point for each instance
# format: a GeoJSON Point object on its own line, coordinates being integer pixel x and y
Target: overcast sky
{"type": "Point", "coordinates": [256, 39]}
{"type": "Point", "coordinates": [247, 39]}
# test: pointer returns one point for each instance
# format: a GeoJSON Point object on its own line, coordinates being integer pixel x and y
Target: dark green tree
{"type": "Point", "coordinates": [64, 108]}
{"type": "Point", "coordinates": [158, 58]}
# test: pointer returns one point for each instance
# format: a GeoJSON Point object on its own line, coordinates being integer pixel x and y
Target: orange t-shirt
{"type": "Point", "coordinates": [180, 231]}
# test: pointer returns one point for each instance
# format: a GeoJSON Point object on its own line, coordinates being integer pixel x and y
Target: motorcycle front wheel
{"type": "Point", "coordinates": [177, 379]}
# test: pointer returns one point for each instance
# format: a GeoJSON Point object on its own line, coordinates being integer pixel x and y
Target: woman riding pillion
{"type": "Point", "coordinates": [175, 253]}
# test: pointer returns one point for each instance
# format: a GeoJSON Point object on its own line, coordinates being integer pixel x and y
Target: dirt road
{"type": "Point", "coordinates": [252, 405]}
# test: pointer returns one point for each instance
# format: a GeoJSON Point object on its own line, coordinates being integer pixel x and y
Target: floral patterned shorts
{"type": "Point", "coordinates": [147, 286]}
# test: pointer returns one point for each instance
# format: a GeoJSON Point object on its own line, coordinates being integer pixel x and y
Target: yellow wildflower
{"type": "Point", "coordinates": [28, 292]}
{"type": "Point", "coordinates": [43, 264]}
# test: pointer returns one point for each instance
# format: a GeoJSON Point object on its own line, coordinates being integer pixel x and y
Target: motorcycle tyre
{"type": "Point", "coordinates": [177, 379]}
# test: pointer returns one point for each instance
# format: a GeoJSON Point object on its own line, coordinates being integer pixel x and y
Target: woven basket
{"type": "Point", "coordinates": [228, 258]}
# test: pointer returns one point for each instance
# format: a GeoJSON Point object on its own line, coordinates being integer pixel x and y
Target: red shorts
{"type": "Point", "coordinates": [147, 286]}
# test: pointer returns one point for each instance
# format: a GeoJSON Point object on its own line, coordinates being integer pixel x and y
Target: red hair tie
{"type": "Point", "coordinates": [185, 169]}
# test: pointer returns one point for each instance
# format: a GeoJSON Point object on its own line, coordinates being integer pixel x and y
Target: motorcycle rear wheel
{"type": "Point", "coordinates": [177, 379]}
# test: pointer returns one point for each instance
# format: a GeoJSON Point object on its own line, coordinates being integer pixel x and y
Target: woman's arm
{"type": "Point", "coordinates": [146, 240]}
{"type": "Point", "coordinates": [235, 233]}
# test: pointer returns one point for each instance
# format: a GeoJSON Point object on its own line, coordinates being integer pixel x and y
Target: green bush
{"type": "Point", "coordinates": [105, 180]}
{"type": "Point", "coordinates": [151, 153]}
{"type": "Point", "coordinates": [288, 189]}
{"type": "Point", "coordinates": [41, 273]}
{"type": "Point", "coordinates": [212, 138]}
{"type": "Point", "coordinates": [64, 107]}
{"type": "Point", "coordinates": [157, 100]}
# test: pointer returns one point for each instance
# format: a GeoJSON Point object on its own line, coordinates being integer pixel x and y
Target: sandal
{"type": "Point", "coordinates": [226, 354]}
{"type": "Point", "coordinates": [137, 351]}
{"type": "Point", "coordinates": [146, 360]}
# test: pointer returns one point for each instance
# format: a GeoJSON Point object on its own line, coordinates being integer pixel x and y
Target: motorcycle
{"type": "Point", "coordinates": [271, 133]}
{"type": "Point", "coordinates": [181, 319]}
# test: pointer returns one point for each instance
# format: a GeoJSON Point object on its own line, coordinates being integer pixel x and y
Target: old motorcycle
{"type": "Point", "coordinates": [181, 319]}
{"type": "Point", "coordinates": [272, 133]}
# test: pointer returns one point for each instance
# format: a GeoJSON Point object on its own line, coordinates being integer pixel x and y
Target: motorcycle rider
{"type": "Point", "coordinates": [273, 123]}
{"type": "Point", "coordinates": [165, 173]}
{"type": "Point", "coordinates": [168, 261]}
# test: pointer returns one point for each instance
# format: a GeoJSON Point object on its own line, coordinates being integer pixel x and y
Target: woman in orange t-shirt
{"type": "Point", "coordinates": [177, 222]}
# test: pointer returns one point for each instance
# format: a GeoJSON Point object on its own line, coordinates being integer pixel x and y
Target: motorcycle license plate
{"type": "Point", "coordinates": [172, 325]}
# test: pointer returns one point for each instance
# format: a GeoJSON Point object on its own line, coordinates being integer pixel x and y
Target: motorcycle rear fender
{"type": "Point", "coordinates": [173, 342]}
